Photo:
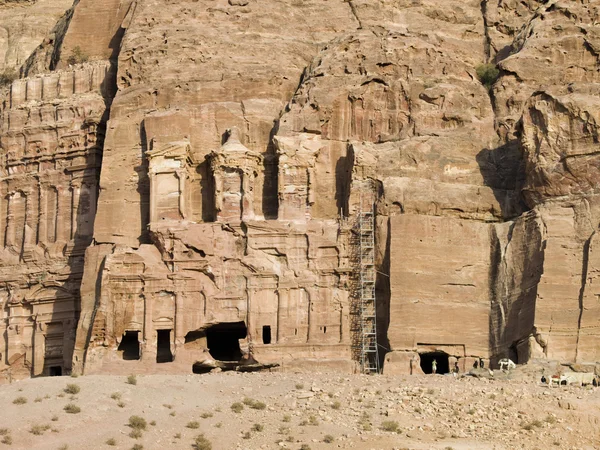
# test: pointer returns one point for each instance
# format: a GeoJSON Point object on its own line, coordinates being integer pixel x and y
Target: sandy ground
{"type": "Point", "coordinates": [301, 411]}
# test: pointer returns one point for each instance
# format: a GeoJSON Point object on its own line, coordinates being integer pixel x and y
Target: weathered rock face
{"type": "Point", "coordinates": [557, 46]}
{"type": "Point", "coordinates": [503, 21]}
{"type": "Point", "coordinates": [560, 139]}
{"type": "Point", "coordinates": [244, 138]}
{"type": "Point", "coordinates": [24, 25]}
{"type": "Point", "coordinates": [51, 135]}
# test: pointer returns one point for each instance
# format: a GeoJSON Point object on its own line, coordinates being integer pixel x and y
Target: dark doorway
{"type": "Point", "coordinates": [223, 340]}
{"type": "Point", "coordinates": [163, 346]}
{"type": "Point", "coordinates": [55, 371]}
{"type": "Point", "coordinates": [513, 354]}
{"type": "Point", "coordinates": [266, 334]}
{"type": "Point", "coordinates": [130, 346]}
{"type": "Point", "coordinates": [440, 358]}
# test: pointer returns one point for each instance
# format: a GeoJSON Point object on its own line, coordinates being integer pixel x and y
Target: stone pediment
{"type": "Point", "coordinates": [168, 156]}
{"type": "Point", "coordinates": [233, 154]}
{"type": "Point", "coordinates": [48, 294]}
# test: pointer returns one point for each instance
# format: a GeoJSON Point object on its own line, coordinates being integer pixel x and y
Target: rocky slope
{"type": "Point", "coordinates": [241, 140]}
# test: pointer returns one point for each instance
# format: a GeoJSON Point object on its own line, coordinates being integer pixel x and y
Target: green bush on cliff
{"type": "Point", "coordinates": [487, 74]}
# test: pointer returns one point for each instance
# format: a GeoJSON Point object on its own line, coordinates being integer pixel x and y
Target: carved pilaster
{"type": "Point", "coordinates": [283, 296]}
{"type": "Point", "coordinates": [42, 213]}
{"type": "Point", "coordinates": [178, 335]}
{"type": "Point", "coordinates": [10, 221]}
{"type": "Point", "coordinates": [63, 214]}
{"type": "Point", "coordinates": [39, 348]}
{"type": "Point", "coordinates": [311, 297]}
{"type": "Point", "coordinates": [75, 198]}
{"type": "Point", "coordinates": [148, 330]}
{"type": "Point", "coordinates": [30, 231]}
{"type": "Point", "coordinates": [181, 176]}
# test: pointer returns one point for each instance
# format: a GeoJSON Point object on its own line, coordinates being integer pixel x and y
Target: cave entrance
{"type": "Point", "coordinates": [130, 346]}
{"type": "Point", "coordinates": [55, 371]}
{"type": "Point", "coordinates": [163, 346]}
{"type": "Point", "coordinates": [441, 359]}
{"type": "Point", "coordinates": [223, 340]}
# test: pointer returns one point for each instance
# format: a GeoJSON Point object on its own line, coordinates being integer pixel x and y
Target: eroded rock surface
{"type": "Point", "coordinates": [24, 25]}
{"type": "Point", "coordinates": [51, 135]}
{"type": "Point", "coordinates": [239, 143]}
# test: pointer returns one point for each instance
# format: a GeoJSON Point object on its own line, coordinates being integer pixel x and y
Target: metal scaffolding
{"type": "Point", "coordinates": [369, 354]}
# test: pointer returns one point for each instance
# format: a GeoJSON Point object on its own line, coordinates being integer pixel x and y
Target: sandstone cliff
{"type": "Point", "coordinates": [24, 25]}
{"type": "Point", "coordinates": [240, 140]}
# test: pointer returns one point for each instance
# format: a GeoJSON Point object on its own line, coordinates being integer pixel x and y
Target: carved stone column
{"type": "Point", "coordinates": [38, 348]}
{"type": "Point", "coordinates": [182, 175]}
{"type": "Point", "coordinates": [218, 192]}
{"type": "Point", "coordinates": [63, 214]}
{"type": "Point", "coordinates": [310, 175]}
{"type": "Point", "coordinates": [283, 297]}
{"type": "Point", "coordinates": [10, 221]}
{"type": "Point", "coordinates": [42, 235]}
{"type": "Point", "coordinates": [249, 316]}
{"type": "Point", "coordinates": [75, 197]}
{"type": "Point", "coordinates": [310, 293]}
{"type": "Point", "coordinates": [30, 222]}
{"type": "Point", "coordinates": [148, 328]}
{"type": "Point", "coordinates": [179, 337]}
{"type": "Point", "coordinates": [153, 197]}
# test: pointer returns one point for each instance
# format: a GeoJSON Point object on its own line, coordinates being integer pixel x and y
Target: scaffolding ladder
{"type": "Point", "coordinates": [369, 354]}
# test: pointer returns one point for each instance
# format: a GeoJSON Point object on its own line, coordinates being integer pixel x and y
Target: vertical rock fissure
{"type": "Point", "coordinates": [584, 273]}
{"type": "Point", "coordinates": [497, 318]}
{"type": "Point", "coordinates": [487, 40]}
{"type": "Point", "coordinates": [92, 319]}
{"type": "Point", "coordinates": [384, 293]}
{"type": "Point", "coordinates": [354, 13]}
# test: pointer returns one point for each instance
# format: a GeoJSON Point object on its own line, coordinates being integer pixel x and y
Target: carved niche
{"type": "Point", "coordinates": [235, 169]}
{"type": "Point", "coordinates": [167, 168]}
{"type": "Point", "coordinates": [297, 161]}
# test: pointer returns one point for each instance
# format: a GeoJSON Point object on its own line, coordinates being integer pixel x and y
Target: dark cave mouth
{"type": "Point", "coordinates": [441, 359]}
